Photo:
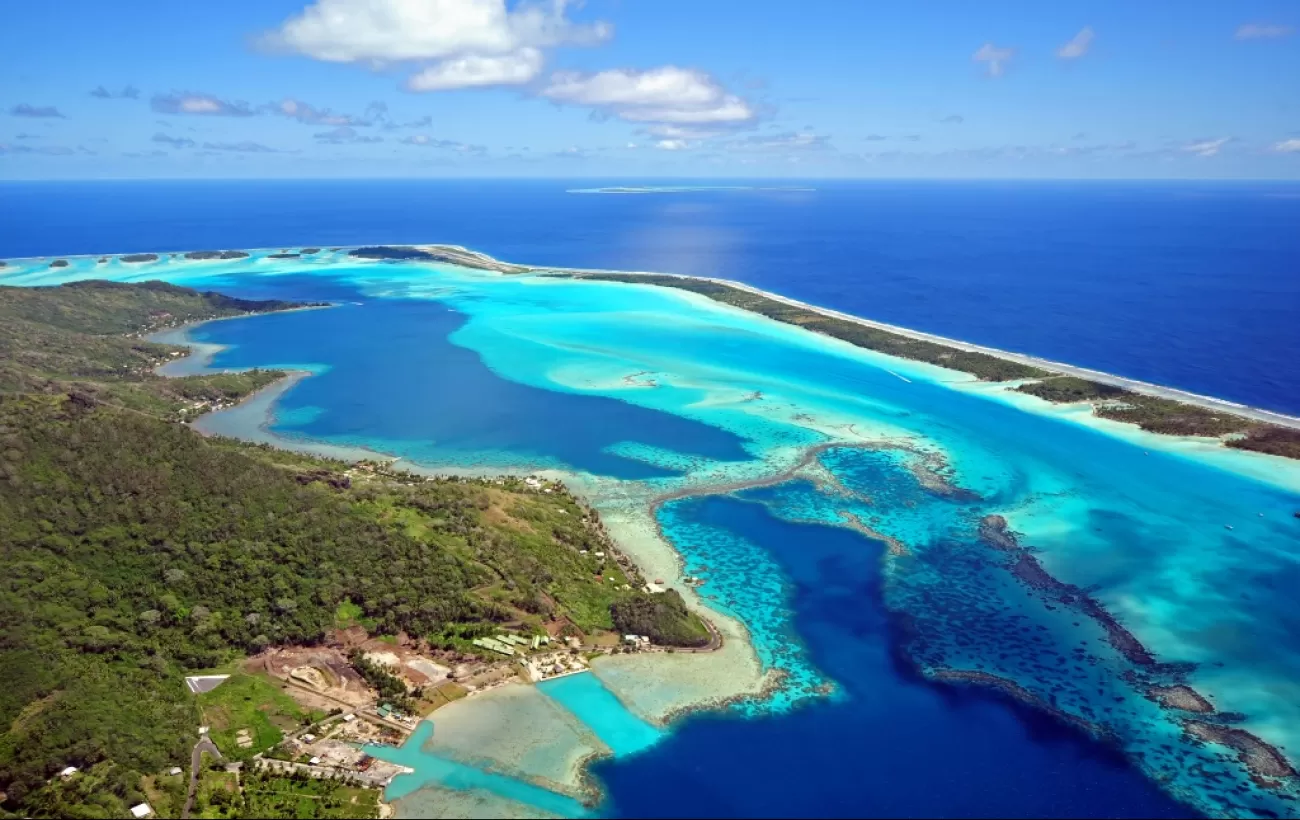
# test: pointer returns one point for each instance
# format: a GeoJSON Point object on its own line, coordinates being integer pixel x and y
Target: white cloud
{"type": "Point", "coordinates": [673, 132]}
{"type": "Point", "coordinates": [1206, 148]}
{"type": "Point", "coordinates": [672, 145]}
{"type": "Point", "coordinates": [1291, 146]}
{"type": "Point", "coordinates": [345, 135]}
{"type": "Point", "coordinates": [245, 147]}
{"type": "Point", "coordinates": [476, 71]}
{"type": "Point", "coordinates": [1078, 46]}
{"type": "Point", "coordinates": [476, 42]}
{"type": "Point", "coordinates": [310, 115]}
{"type": "Point", "coordinates": [426, 141]}
{"type": "Point", "coordinates": [175, 142]}
{"type": "Point", "coordinates": [186, 102]}
{"type": "Point", "coordinates": [129, 92]}
{"type": "Point", "coordinates": [1263, 31]}
{"type": "Point", "coordinates": [39, 111]}
{"type": "Point", "coordinates": [665, 96]}
{"type": "Point", "coordinates": [789, 141]}
{"type": "Point", "coordinates": [995, 57]}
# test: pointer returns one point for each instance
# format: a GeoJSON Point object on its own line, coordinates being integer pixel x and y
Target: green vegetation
{"type": "Point", "coordinates": [251, 707]}
{"type": "Point", "coordinates": [135, 550]}
{"type": "Point", "coordinates": [981, 365]}
{"type": "Point", "coordinates": [258, 794]}
{"type": "Point", "coordinates": [391, 689]}
{"type": "Point", "coordinates": [87, 338]}
{"type": "Point", "coordinates": [1159, 415]}
{"type": "Point", "coordinates": [218, 796]}
{"type": "Point", "coordinates": [348, 614]}
{"type": "Point", "coordinates": [663, 618]}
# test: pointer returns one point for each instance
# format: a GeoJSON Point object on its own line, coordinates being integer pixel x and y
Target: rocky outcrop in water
{"type": "Point", "coordinates": [994, 532]}
{"type": "Point", "coordinates": [1180, 696]}
{"type": "Point", "coordinates": [59, 263]}
{"type": "Point", "coordinates": [1262, 760]}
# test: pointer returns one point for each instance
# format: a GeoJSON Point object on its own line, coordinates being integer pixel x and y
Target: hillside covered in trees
{"type": "Point", "coordinates": [133, 550]}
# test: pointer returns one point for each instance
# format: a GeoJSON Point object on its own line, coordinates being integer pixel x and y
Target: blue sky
{"type": "Point", "coordinates": [650, 88]}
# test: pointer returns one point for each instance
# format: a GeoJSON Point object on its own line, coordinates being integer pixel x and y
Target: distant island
{"type": "Point", "coordinates": [437, 253]}
{"type": "Point", "coordinates": [139, 257]}
{"type": "Point", "coordinates": [684, 189]}
{"type": "Point", "coordinates": [216, 255]}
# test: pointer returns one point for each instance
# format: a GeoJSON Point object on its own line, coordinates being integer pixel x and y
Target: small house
{"type": "Point", "coordinates": [315, 761]}
{"type": "Point", "coordinates": [349, 718]}
{"type": "Point", "coordinates": [309, 738]}
{"type": "Point", "coordinates": [141, 810]}
{"type": "Point", "coordinates": [68, 772]}
{"type": "Point", "coordinates": [174, 770]}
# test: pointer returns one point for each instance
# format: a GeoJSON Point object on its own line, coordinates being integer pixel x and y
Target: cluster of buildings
{"type": "Point", "coordinates": [554, 665]}
{"type": "Point", "coordinates": [511, 644]}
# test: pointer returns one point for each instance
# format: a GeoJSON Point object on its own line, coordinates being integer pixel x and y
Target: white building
{"type": "Point", "coordinates": [142, 810]}
{"type": "Point", "coordinates": [174, 770]}
{"type": "Point", "coordinates": [68, 772]}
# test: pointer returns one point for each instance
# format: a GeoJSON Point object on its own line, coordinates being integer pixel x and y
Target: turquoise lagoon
{"type": "Point", "coordinates": [692, 423]}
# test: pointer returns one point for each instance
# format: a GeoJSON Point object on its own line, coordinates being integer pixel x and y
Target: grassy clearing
{"type": "Point", "coordinates": [273, 795]}
{"type": "Point", "coordinates": [252, 703]}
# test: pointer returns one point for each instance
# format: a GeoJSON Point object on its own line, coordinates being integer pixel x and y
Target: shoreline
{"type": "Point", "coordinates": [467, 257]}
{"type": "Point", "coordinates": [729, 656]}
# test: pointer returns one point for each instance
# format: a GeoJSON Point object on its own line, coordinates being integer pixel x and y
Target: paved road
{"type": "Point", "coordinates": [205, 744]}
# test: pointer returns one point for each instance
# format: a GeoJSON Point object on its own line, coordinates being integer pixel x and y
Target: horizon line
{"type": "Point", "coordinates": [785, 179]}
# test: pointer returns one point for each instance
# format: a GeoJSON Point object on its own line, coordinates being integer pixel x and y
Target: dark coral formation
{"type": "Point", "coordinates": [994, 532]}
{"type": "Point", "coordinates": [1264, 762]}
{"type": "Point", "coordinates": [1027, 569]}
{"type": "Point", "coordinates": [140, 257]}
{"type": "Point", "coordinates": [59, 263]}
{"type": "Point", "coordinates": [1181, 696]}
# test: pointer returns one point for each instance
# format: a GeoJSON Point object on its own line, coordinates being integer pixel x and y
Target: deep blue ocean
{"type": "Point", "coordinates": [1191, 284]}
